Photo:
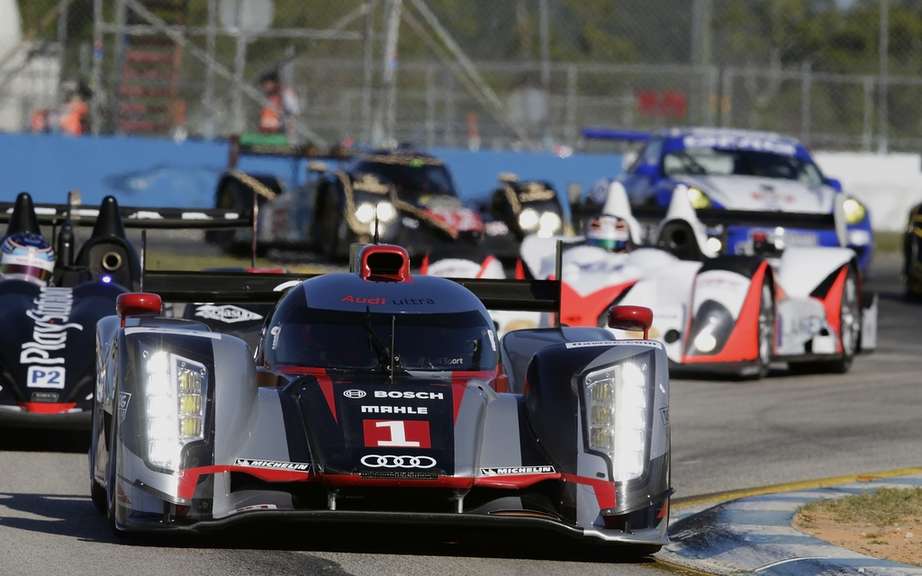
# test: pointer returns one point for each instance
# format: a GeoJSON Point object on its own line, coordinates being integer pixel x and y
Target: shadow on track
{"type": "Point", "coordinates": [74, 516]}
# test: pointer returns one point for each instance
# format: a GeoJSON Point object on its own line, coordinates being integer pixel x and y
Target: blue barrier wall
{"type": "Point", "coordinates": [156, 172]}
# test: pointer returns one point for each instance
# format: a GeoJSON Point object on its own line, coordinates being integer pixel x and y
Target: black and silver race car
{"type": "Point", "coordinates": [406, 196]}
{"type": "Point", "coordinates": [379, 396]}
{"type": "Point", "coordinates": [47, 360]}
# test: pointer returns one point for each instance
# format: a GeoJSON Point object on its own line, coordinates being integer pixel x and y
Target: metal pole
{"type": "Point", "coordinates": [430, 106]}
{"type": "Point", "coordinates": [570, 130]}
{"type": "Point", "coordinates": [208, 97]}
{"type": "Point", "coordinates": [884, 48]}
{"type": "Point", "coordinates": [368, 70]}
{"type": "Point", "coordinates": [805, 87]}
{"type": "Point", "coordinates": [62, 37]}
{"type": "Point", "coordinates": [96, 79]}
{"type": "Point", "coordinates": [240, 61]}
{"type": "Point", "coordinates": [545, 34]}
{"type": "Point", "coordinates": [867, 132]}
{"type": "Point", "coordinates": [389, 80]}
{"type": "Point", "coordinates": [117, 63]}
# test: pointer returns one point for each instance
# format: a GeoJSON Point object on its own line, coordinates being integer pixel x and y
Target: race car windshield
{"type": "Point", "coordinates": [412, 179]}
{"type": "Point", "coordinates": [362, 340]}
{"type": "Point", "coordinates": [729, 162]}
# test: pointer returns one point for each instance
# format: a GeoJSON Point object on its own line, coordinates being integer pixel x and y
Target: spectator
{"type": "Point", "coordinates": [76, 114]}
{"type": "Point", "coordinates": [277, 114]}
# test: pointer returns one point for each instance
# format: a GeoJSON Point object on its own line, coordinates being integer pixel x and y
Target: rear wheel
{"type": "Point", "coordinates": [849, 323]}
{"type": "Point", "coordinates": [231, 196]}
{"type": "Point", "coordinates": [766, 330]}
{"type": "Point", "coordinates": [849, 335]}
{"type": "Point", "coordinates": [911, 266]}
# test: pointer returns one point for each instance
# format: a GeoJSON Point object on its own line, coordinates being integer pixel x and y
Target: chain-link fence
{"type": "Point", "coordinates": [479, 73]}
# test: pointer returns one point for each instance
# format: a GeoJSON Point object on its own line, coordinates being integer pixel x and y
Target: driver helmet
{"type": "Point", "coordinates": [609, 232]}
{"type": "Point", "coordinates": [26, 257]}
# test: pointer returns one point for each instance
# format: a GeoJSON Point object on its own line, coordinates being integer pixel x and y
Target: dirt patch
{"type": "Point", "coordinates": [886, 523]}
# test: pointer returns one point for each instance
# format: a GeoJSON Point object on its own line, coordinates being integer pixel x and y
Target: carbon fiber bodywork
{"type": "Point", "coordinates": [300, 443]}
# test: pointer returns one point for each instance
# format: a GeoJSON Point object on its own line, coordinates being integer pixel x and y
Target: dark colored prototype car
{"type": "Point", "coordinates": [519, 208]}
{"type": "Point", "coordinates": [48, 336]}
{"type": "Point", "coordinates": [405, 196]}
{"type": "Point", "coordinates": [381, 397]}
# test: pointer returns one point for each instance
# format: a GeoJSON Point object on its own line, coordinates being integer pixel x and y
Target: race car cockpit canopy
{"type": "Point", "coordinates": [415, 175]}
{"type": "Point", "coordinates": [361, 320]}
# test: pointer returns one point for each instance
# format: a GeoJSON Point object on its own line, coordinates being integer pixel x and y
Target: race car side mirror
{"type": "Point", "coordinates": [631, 318]}
{"type": "Point", "coordinates": [137, 304]}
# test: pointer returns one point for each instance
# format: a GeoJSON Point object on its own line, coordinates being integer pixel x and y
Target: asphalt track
{"type": "Point", "coordinates": [726, 435]}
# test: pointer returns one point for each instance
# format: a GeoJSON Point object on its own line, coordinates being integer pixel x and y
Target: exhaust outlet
{"type": "Point", "coordinates": [111, 261]}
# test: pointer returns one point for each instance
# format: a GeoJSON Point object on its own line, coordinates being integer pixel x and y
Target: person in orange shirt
{"type": "Point", "coordinates": [75, 117]}
{"type": "Point", "coordinates": [277, 114]}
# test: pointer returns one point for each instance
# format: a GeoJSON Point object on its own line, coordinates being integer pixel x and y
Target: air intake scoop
{"type": "Point", "coordinates": [384, 263]}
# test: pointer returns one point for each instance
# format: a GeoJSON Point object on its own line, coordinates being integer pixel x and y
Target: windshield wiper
{"type": "Point", "coordinates": [381, 351]}
{"type": "Point", "coordinates": [388, 360]}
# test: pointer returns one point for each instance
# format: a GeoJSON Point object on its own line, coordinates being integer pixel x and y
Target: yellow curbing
{"type": "Point", "coordinates": [715, 498]}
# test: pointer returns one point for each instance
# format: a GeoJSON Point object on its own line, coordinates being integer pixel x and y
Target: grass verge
{"type": "Point", "coordinates": [885, 523]}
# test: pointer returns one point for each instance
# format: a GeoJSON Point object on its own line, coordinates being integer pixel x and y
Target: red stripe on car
{"type": "Point", "coordinates": [743, 343]}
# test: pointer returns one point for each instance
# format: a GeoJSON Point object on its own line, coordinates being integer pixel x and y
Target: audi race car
{"type": "Point", "coordinates": [49, 307]}
{"type": "Point", "coordinates": [378, 396]}
{"type": "Point", "coordinates": [739, 171]}
{"type": "Point", "coordinates": [405, 196]}
{"type": "Point", "coordinates": [912, 252]}
{"type": "Point", "coordinates": [735, 314]}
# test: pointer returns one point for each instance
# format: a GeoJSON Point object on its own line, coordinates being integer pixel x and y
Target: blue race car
{"type": "Point", "coordinates": [746, 173]}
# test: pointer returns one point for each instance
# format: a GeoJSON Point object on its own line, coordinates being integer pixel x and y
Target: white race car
{"type": "Point", "coordinates": [738, 313]}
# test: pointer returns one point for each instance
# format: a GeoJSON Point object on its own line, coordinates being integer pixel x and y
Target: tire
{"type": "Point", "coordinates": [99, 497]}
{"type": "Point", "coordinates": [849, 323]}
{"type": "Point", "coordinates": [335, 235]}
{"type": "Point", "coordinates": [849, 332]}
{"type": "Point", "coordinates": [912, 260]}
{"type": "Point", "coordinates": [765, 328]}
{"type": "Point", "coordinates": [112, 467]}
{"type": "Point", "coordinates": [230, 197]}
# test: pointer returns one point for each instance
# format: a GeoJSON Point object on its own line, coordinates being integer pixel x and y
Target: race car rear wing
{"type": "Point", "coordinates": [150, 218]}
{"type": "Point", "coordinates": [595, 133]}
{"type": "Point", "coordinates": [277, 146]}
{"type": "Point", "coordinates": [238, 287]}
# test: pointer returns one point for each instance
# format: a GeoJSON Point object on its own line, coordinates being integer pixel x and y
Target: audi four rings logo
{"type": "Point", "coordinates": [389, 461]}
{"type": "Point", "coordinates": [354, 394]}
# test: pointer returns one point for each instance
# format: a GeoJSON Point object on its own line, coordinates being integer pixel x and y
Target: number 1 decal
{"type": "Point", "coordinates": [396, 434]}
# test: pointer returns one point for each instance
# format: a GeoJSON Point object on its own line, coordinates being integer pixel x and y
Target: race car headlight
{"type": "Point", "coordinates": [548, 224]}
{"type": "Point", "coordinates": [529, 219]}
{"type": "Point", "coordinates": [854, 210]}
{"type": "Point", "coordinates": [697, 198]}
{"type": "Point", "coordinates": [617, 408]}
{"type": "Point", "coordinates": [385, 211]}
{"type": "Point", "coordinates": [175, 401]}
{"type": "Point", "coordinates": [365, 212]}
